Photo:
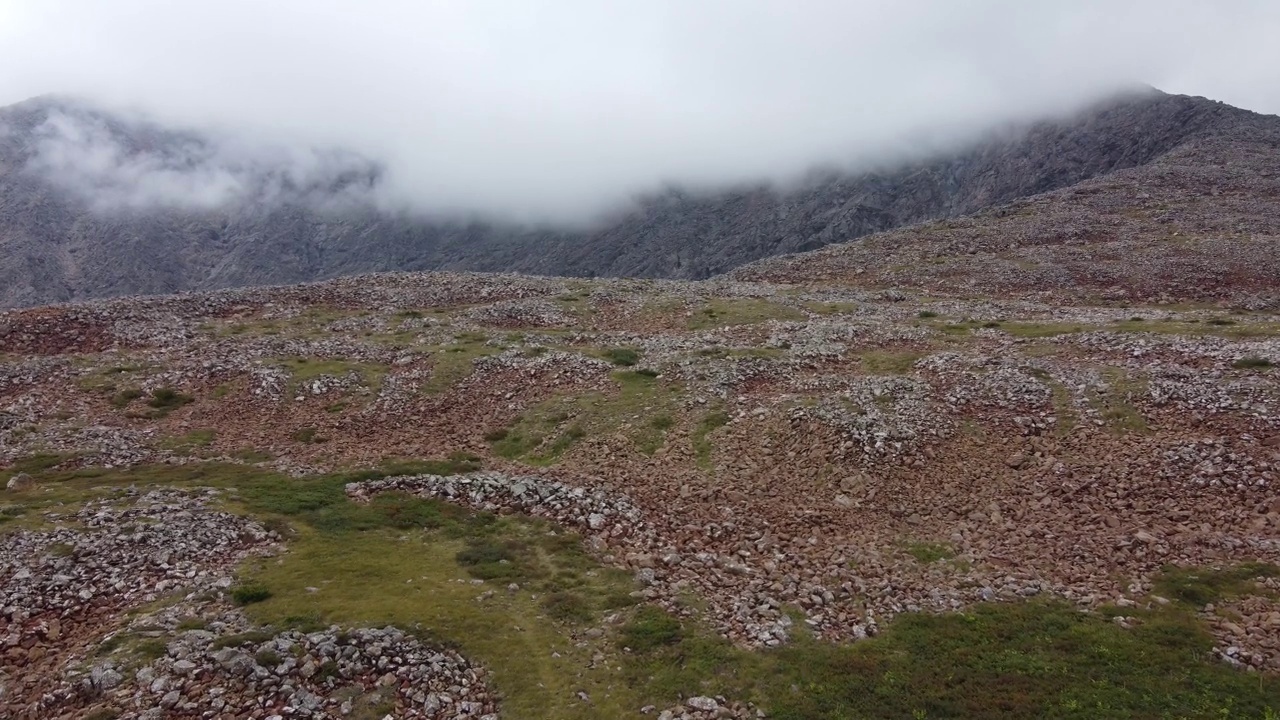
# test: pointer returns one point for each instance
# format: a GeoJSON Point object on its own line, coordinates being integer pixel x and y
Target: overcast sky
{"type": "Point", "coordinates": [553, 106]}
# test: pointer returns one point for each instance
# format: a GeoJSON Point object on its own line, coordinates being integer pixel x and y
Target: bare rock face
{"type": "Point", "coordinates": [20, 482]}
{"type": "Point", "coordinates": [58, 246]}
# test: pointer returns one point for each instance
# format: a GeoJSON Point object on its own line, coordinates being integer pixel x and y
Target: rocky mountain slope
{"type": "Point", "coordinates": [594, 498]}
{"type": "Point", "coordinates": [86, 204]}
{"type": "Point", "coordinates": [1200, 222]}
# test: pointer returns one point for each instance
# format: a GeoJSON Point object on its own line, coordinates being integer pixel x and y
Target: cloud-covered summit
{"type": "Point", "coordinates": [125, 162]}
{"type": "Point", "coordinates": [558, 108]}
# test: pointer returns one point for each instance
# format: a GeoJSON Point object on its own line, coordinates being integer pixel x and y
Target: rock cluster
{"type": "Point", "coordinates": [323, 674]}
{"type": "Point", "coordinates": [702, 707]}
{"type": "Point", "coordinates": [62, 587]}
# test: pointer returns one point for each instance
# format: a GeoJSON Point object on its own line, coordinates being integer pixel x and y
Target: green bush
{"type": "Point", "coordinates": [306, 435]}
{"type": "Point", "coordinates": [167, 398]}
{"type": "Point", "coordinates": [1252, 362]}
{"type": "Point", "coordinates": [267, 658]}
{"type": "Point", "coordinates": [124, 397]}
{"type": "Point", "coordinates": [625, 357]}
{"type": "Point", "coordinates": [483, 553]}
{"type": "Point", "coordinates": [249, 593]}
{"type": "Point", "coordinates": [651, 628]}
{"type": "Point", "coordinates": [567, 607]}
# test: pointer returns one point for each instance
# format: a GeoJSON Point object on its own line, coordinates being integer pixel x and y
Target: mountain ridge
{"type": "Point", "coordinates": [58, 247]}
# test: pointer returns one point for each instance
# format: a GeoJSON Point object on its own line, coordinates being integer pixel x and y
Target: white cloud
{"type": "Point", "coordinates": [555, 107]}
{"type": "Point", "coordinates": [142, 166]}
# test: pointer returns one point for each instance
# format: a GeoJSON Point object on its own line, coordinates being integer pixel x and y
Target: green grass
{"type": "Point", "coordinates": [249, 593]}
{"type": "Point", "coordinates": [623, 356]}
{"type": "Point", "coordinates": [251, 455]}
{"type": "Point", "coordinates": [884, 362]}
{"type": "Point", "coordinates": [1015, 660]}
{"type": "Point", "coordinates": [39, 462]}
{"type": "Point", "coordinates": [926, 552]}
{"type": "Point", "coordinates": [1063, 409]}
{"type": "Point", "coordinates": [1137, 324]}
{"type": "Point", "coordinates": [701, 442]}
{"type": "Point", "coordinates": [419, 577]}
{"type": "Point", "coordinates": [741, 311]}
{"type": "Point", "coordinates": [304, 370]}
{"type": "Point", "coordinates": [307, 436]}
{"type": "Point", "coordinates": [1116, 406]}
{"type": "Point", "coordinates": [411, 562]}
{"type": "Point", "coordinates": [453, 363]}
{"type": "Point", "coordinates": [190, 442]}
{"type": "Point", "coordinates": [831, 308]}
{"type": "Point", "coordinates": [1041, 330]}
{"type": "Point", "coordinates": [11, 512]}
{"type": "Point", "coordinates": [122, 398]}
{"type": "Point", "coordinates": [651, 628]}
{"type": "Point", "coordinates": [1252, 362]}
{"type": "Point", "coordinates": [165, 400]}
{"type": "Point", "coordinates": [1200, 586]}
{"type": "Point", "coordinates": [640, 406]}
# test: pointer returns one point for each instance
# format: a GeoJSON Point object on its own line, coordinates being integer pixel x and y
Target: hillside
{"type": "Point", "coordinates": [87, 203]}
{"type": "Point", "coordinates": [464, 495]}
{"type": "Point", "coordinates": [1201, 222]}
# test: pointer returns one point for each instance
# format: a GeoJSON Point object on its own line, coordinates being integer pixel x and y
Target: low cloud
{"type": "Point", "coordinates": [559, 108]}
{"type": "Point", "coordinates": [116, 163]}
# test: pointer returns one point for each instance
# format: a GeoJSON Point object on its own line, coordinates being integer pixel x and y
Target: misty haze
{"type": "Point", "coordinates": [731, 359]}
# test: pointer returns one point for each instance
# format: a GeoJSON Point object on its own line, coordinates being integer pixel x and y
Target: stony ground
{"type": "Point", "coordinates": [831, 457]}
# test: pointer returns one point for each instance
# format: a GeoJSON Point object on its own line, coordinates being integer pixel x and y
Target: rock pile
{"type": "Point", "coordinates": [62, 587]}
{"type": "Point", "coordinates": [324, 674]}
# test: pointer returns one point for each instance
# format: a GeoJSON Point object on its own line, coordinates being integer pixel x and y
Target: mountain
{"type": "Point", "coordinates": [94, 204]}
{"type": "Point", "coordinates": [1201, 222]}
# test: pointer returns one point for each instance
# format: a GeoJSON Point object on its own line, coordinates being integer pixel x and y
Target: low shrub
{"type": "Point", "coordinates": [249, 593]}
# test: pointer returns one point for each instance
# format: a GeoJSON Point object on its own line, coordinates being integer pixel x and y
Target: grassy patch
{"type": "Point", "coordinates": [623, 356]}
{"type": "Point", "coordinates": [190, 442]}
{"type": "Point", "coordinates": [251, 455]}
{"type": "Point", "coordinates": [1252, 362]}
{"type": "Point", "coordinates": [1116, 405]}
{"type": "Point", "coordinates": [307, 436]}
{"type": "Point", "coordinates": [883, 362]}
{"type": "Point", "coordinates": [740, 311]}
{"type": "Point", "coordinates": [831, 308]}
{"type": "Point", "coordinates": [422, 580]}
{"type": "Point", "coordinates": [249, 593]}
{"type": "Point", "coordinates": [926, 552]}
{"type": "Point", "coordinates": [1063, 408]}
{"type": "Point", "coordinates": [304, 370]}
{"type": "Point", "coordinates": [1015, 660]}
{"type": "Point", "coordinates": [11, 512]}
{"type": "Point", "coordinates": [166, 399]}
{"type": "Point", "coordinates": [651, 628]}
{"type": "Point", "coordinates": [701, 442]}
{"type": "Point", "coordinates": [568, 606]}
{"type": "Point", "coordinates": [121, 399]}
{"type": "Point", "coordinates": [40, 462]}
{"type": "Point", "coordinates": [453, 363]}
{"type": "Point", "coordinates": [413, 563]}
{"type": "Point", "coordinates": [1041, 330]}
{"type": "Point", "coordinates": [1200, 586]}
{"type": "Point", "coordinates": [640, 406]}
